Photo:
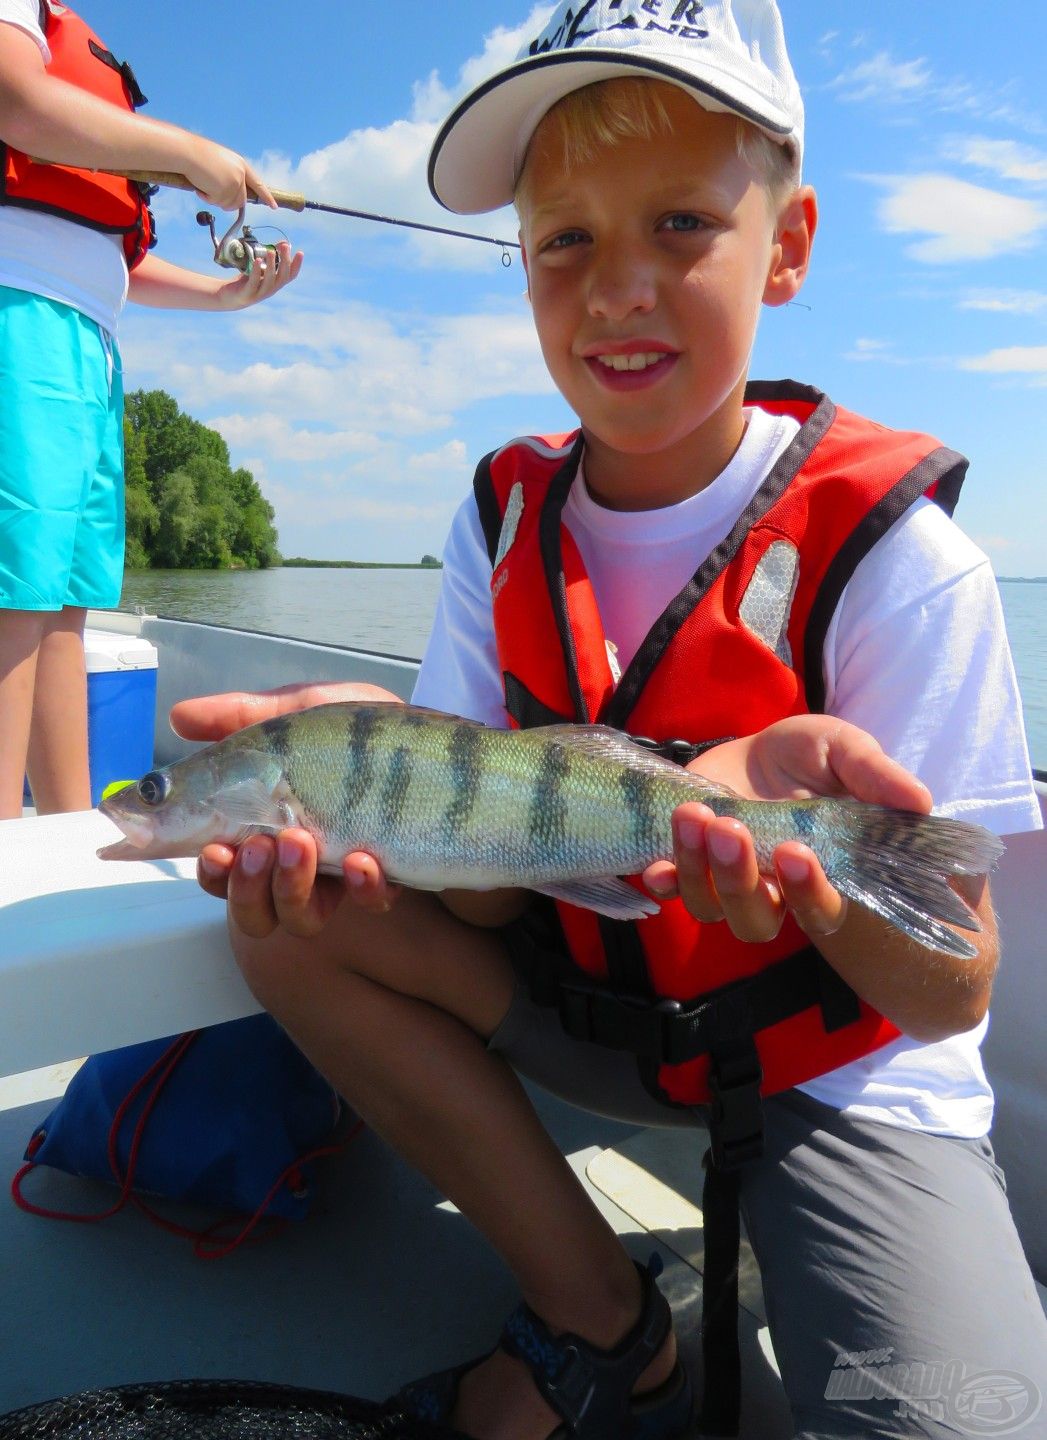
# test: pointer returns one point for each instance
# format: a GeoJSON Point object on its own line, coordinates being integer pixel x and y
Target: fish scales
{"type": "Point", "coordinates": [565, 809]}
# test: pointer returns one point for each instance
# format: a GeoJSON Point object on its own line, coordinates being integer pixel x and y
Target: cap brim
{"type": "Point", "coordinates": [475, 156]}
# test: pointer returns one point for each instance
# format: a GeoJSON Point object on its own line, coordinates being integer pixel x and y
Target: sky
{"type": "Point", "coordinates": [363, 395]}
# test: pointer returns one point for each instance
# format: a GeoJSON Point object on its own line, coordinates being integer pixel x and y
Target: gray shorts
{"type": "Point", "coordinates": [898, 1297]}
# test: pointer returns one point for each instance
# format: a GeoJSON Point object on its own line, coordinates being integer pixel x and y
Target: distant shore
{"type": "Point", "coordinates": [1022, 579]}
{"type": "Point", "coordinates": [297, 562]}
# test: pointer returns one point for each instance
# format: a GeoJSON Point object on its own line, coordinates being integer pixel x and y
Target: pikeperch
{"type": "Point", "coordinates": [443, 802]}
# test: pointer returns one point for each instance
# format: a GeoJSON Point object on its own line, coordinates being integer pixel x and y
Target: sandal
{"type": "Point", "coordinates": [590, 1389]}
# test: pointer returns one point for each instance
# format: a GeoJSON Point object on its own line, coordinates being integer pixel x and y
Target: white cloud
{"type": "Point", "coordinates": [449, 459]}
{"type": "Point", "coordinates": [1011, 360]}
{"type": "Point", "coordinates": [865, 349]}
{"type": "Point", "coordinates": [1005, 158]}
{"type": "Point", "coordinates": [357, 370]}
{"type": "Point", "coordinates": [281, 440]}
{"type": "Point", "coordinates": [1006, 302]}
{"type": "Point", "coordinates": [964, 221]}
{"type": "Point", "coordinates": [900, 85]}
{"type": "Point", "coordinates": [883, 78]}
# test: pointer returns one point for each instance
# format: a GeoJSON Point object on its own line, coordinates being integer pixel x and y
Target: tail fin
{"type": "Point", "coordinates": [896, 863]}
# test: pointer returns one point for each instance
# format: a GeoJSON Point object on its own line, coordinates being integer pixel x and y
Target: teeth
{"type": "Point", "coordinates": [639, 361]}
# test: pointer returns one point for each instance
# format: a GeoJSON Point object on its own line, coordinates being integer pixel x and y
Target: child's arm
{"type": "Point", "coordinates": [927, 994]}
{"type": "Point", "coordinates": [171, 287]}
{"type": "Point", "coordinates": [51, 120]}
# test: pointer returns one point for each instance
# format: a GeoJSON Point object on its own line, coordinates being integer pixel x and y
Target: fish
{"type": "Point", "coordinates": [567, 810]}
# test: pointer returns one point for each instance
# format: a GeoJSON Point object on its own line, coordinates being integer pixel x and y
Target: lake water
{"type": "Point", "coordinates": [391, 611]}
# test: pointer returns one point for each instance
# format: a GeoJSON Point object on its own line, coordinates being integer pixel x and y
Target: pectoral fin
{"type": "Point", "coordinates": [254, 801]}
{"type": "Point", "coordinates": [607, 895]}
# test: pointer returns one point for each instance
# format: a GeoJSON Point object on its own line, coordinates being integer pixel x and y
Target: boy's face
{"type": "Point", "coordinates": [647, 266]}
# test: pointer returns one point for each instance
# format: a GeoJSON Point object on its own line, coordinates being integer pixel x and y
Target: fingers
{"type": "Point", "coordinates": [717, 877]}
{"type": "Point", "coordinates": [212, 717]}
{"type": "Point", "coordinates": [813, 755]}
{"type": "Point", "coordinates": [817, 908]}
{"type": "Point", "coordinates": [367, 883]}
{"type": "Point", "coordinates": [867, 773]}
{"type": "Point", "coordinates": [274, 883]}
{"type": "Point", "coordinates": [258, 188]}
{"type": "Point", "coordinates": [266, 276]}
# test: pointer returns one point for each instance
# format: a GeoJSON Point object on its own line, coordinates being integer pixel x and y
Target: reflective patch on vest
{"type": "Point", "coordinates": [768, 598]}
{"type": "Point", "coordinates": [510, 522]}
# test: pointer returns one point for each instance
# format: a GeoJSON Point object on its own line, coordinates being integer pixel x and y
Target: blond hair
{"type": "Point", "coordinates": [609, 111]}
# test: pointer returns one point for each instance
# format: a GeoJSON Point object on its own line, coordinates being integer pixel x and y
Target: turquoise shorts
{"type": "Point", "coordinates": [61, 457]}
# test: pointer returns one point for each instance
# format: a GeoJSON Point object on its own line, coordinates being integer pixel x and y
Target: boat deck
{"type": "Point", "coordinates": [383, 1281]}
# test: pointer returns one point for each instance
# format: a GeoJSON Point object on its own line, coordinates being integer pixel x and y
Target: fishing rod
{"type": "Point", "coordinates": [241, 251]}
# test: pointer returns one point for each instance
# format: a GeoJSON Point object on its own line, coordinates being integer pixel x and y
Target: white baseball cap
{"type": "Point", "coordinates": [728, 54]}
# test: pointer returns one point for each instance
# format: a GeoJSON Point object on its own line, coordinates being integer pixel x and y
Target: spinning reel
{"type": "Point", "coordinates": [238, 252]}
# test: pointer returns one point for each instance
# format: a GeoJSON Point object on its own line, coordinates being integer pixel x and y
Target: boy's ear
{"type": "Point", "coordinates": [791, 254]}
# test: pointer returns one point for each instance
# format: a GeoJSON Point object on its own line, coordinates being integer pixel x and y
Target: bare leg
{"type": "Point", "coordinates": [58, 763]}
{"type": "Point", "coordinates": [20, 635]}
{"type": "Point", "coordinates": [398, 1025]}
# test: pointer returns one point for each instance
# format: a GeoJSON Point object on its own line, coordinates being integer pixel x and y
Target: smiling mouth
{"type": "Point", "coordinates": [642, 360]}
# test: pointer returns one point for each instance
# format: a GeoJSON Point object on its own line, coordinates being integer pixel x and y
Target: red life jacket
{"type": "Point", "coordinates": [107, 203]}
{"type": "Point", "coordinates": [704, 671]}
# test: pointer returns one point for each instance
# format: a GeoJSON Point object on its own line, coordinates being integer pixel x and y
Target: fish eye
{"type": "Point", "coordinates": [154, 788]}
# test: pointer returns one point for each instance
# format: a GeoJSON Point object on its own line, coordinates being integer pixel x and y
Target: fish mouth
{"type": "Point", "coordinates": [120, 850]}
{"type": "Point", "coordinates": [138, 835]}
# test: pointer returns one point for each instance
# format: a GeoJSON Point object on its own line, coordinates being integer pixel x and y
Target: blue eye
{"type": "Point", "coordinates": [684, 223]}
{"type": "Point", "coordinates": [565, 239]}
{"type": "Point", "coordinates": [154, 788]}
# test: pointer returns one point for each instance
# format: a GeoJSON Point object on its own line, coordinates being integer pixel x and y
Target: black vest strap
{"type": "Point", "coordinates": [671, 1032]}
{"type": "Point", "coordinates": [722, 1365]}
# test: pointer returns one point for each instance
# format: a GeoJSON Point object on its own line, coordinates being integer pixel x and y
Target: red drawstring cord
{"type": "Point", "coordinates": [162, 1069]}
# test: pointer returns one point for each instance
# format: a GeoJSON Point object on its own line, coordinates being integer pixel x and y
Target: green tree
{"type": "Point", "coordinates": [139, 507]}
{"type": "Point", "coordinates": [186, 506]}
{"type": "Point", "coordinates": [178, 524]}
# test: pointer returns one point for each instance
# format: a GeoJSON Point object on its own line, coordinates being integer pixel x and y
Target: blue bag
{"type": "Point", "coordinates": [229, 1117]}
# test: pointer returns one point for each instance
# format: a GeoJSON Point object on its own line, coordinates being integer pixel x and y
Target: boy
{"type": "Point", "coordinates": [68, 240]}
{"type": "Point", "coordinates": [700, 561]}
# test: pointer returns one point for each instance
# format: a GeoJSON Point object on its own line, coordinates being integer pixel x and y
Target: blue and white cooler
{"type": "Point", "coordinates": [121, 707]}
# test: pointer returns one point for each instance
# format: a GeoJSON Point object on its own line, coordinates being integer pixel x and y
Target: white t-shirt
{"type": "Point", "coordinates": [923, 596]}
{"type": "Point", "coordinates": [53, 257]}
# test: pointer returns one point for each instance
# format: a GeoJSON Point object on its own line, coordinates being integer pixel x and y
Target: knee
{"type": "Point", "coordinates": [282, 967]}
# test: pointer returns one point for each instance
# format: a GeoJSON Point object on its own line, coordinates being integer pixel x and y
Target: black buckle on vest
{"type": "Point", "coordinates": [670, 1032]}
{"type": "Point", "coordinates": [736, 1113]}
{"type": "Point", "coordinates": [680, 752]}
{"type": "Point", "coordinates": [589, 1011]}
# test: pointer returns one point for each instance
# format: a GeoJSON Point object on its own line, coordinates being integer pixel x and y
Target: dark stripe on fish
{"type": "Point", "coordinates": [806, 822]}
{"type": "Point", "coordinates": [279, 735]}
{"type": "Point", "coordinates": [637, 788]}
{"type": "Point", "coordinates": [359, 774]}
{"type": "Point", "coordinates": [547, 818]}
{"type": "Point", "coordinates": [466, 762]}
{"type": "Point", "coordinates": [396, 785]}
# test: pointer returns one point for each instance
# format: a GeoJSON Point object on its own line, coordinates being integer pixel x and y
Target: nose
{"type": "Point", "coordinates": [622, 282]}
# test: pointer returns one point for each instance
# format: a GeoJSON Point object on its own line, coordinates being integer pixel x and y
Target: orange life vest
{"type": "Point", "coordinates": [705, 671]}
{"type": "Point", "coordinates": [102, 202]}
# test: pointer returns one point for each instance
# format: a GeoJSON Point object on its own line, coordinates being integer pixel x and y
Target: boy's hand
{"type": "Point", "coordinates": [274, 882]}
{"type": "Point", "coordinates": [716, 874]}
